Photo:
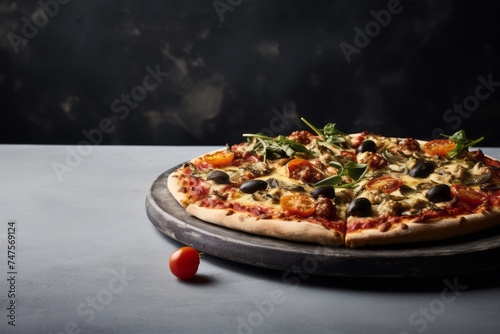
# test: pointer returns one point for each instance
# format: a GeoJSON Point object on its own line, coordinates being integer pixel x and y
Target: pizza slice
{"type": "Point", "coordinates": [421, 191]}
{"type": "Point", "coordinates": [265, 186]}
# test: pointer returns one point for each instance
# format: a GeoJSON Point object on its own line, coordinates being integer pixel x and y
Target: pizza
{"type": "Point", "coordinates": [325, 186]}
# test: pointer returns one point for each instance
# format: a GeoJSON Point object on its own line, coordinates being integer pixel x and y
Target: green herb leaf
{"type": "Point", "coordinates": [329, 134]}
{"type": "Point", "coordinates": [337, 165]}
{"type": "Point", "coordinates": [333, 181]}
{"type": "Point", "coordinates": [275, 148]}
{"type": "Point", "coordinates": [462, 143]}
{"type": "Point", "coordinates": [354, 170]}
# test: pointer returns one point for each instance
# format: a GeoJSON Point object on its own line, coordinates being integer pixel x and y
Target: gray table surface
{"type": "Point", "coordinates": [88, 260]}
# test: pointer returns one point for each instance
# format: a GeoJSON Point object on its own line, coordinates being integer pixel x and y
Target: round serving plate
{"type": "Point", "coordinates": [461, 255]}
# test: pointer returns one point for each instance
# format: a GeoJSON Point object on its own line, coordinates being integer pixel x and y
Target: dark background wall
{"type": "Point", "coordinates": [83, 69]}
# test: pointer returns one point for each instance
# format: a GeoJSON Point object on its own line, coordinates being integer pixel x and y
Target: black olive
{"type": "Point", "coordinates": [360, 207]}
{"type": "Point", "coordinates": [367, 146]}
{"type": "Point", "coordinates": [422, 168]}
{"type": "Point", "coordinates": [218, 177]}
{"type": "Point", "coordinates": [326, 191]}
{"type": "Point", "coordinates": [252, 186]}
{"type": "Point", "coordinates": [439, 193]}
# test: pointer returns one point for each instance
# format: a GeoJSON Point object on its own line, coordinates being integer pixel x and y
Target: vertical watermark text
{"type": "Point", "coordinates": [11, 272]}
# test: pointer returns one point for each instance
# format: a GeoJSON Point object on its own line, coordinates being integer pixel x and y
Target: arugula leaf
{"type": "Point", "coordinates": [354, 170]}
{"type": "Point", "coordinates": [333, 181]}
{"type": "Point", "coordinates": [462, 143]}
{"type": "Point", "coordinates": [275, 148]}
{"type": "Point", "coordinates": [329, 134]}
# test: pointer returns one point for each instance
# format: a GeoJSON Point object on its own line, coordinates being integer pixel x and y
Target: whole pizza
{"type": "Point", "coordinates": [328, 187]}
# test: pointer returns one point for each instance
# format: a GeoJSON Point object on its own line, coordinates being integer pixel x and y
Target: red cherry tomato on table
{"type": "Point", "coordinates": [301, 205]}
{"type": "Point", "coordinates": [387, 184]}
{"type": "Point", "coordinates": [439, 147]}
{"type": "Point", "coordinates": [184, 262]}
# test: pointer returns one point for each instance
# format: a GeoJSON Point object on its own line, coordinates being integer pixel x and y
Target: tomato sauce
{"type": "Point", "coordinates": [337, 225]}
{"type": "Point", "coordinates": [369, 223]}
{"type": "Point", "coordinates": [214, 202]}
{"type": "Point", "coordinates": [255, 210]}
{"type": "Point", "coordinates": [479, 156]}
{"type": "Point", "coordinates": [494, 197]}
{"type": "Point", "coordinates": [426, 215]}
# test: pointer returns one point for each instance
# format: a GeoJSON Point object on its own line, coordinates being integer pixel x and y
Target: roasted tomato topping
{"type": "Point", "coordinates": [439, 147]}
{"type": "Point", "coordinates": [297, 204]}
{"type": "Point", "coordinates": [219, 159]}
{"type": "Point", "coordinates": [469, 196]}
{"type": "Point", "coordinates": [387, 184]}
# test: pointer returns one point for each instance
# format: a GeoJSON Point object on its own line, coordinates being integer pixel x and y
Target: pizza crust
{"type": "Point", "coordinates": [175, 189]}
{"type": "Point", "coordinates": [301, 231]}
{"type": "Point", "coordinates": [419, 231]}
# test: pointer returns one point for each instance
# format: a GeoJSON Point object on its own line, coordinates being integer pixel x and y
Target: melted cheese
{"type": "Point", "coordinates": [395, 203]}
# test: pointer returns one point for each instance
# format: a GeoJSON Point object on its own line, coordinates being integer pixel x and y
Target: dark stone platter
{"type": "Point", "coordinates": [462, 255]}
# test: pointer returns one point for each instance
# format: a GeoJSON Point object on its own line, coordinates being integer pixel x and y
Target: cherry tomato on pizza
{"type": "Point", "coordinates": [184, 262]}
{"type": "Point", "coordinates": [387, 184]}
{"type": "Point", "coordinates": [298, 163]}
{"type": "Point", "coordinates": [298, 204]}
{"type": "Point", "coordinates": [468, 196]}
{"type": "Point", "coordinates": [219, 159]}
{"type": "Point", "coordinates": [439, 147]}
